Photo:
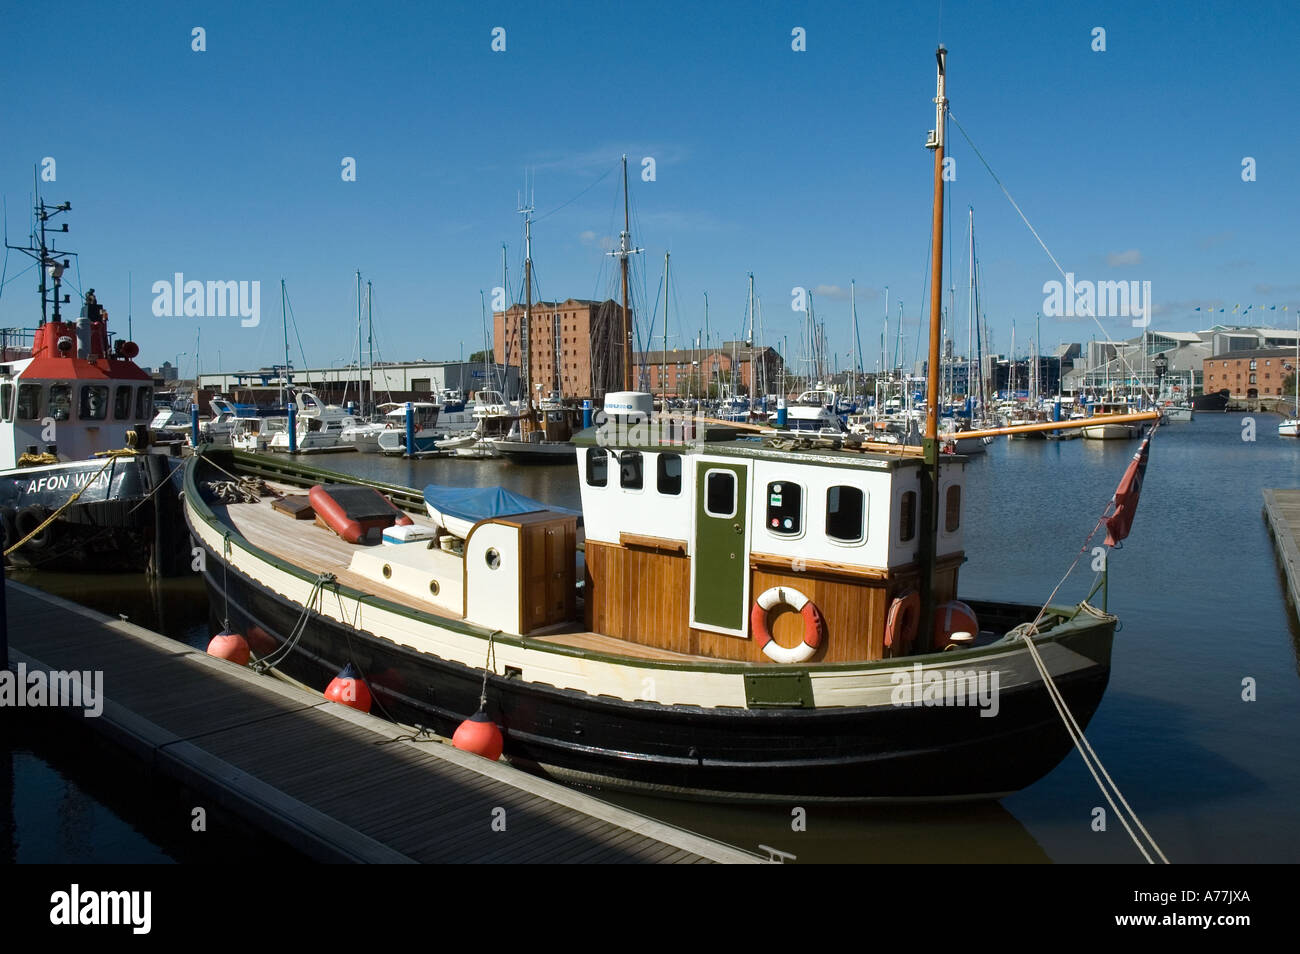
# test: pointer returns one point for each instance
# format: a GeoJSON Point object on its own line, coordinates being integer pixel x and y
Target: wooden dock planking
{"type": "Point", "coordinates": [313, 773]}
{"type": "Point", "coordinates": [1282, 512]}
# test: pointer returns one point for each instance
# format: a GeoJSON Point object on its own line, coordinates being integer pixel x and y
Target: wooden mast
{"type": "Point", "coordinates": [930, 471]}
{"type": "Point", "coordinates": [526, 326]}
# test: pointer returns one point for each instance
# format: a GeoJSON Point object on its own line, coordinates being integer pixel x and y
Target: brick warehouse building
{"type": "Point", "coordinates": [1257, 373]}
{"type": "Point", "coordinates": [696, 372]}
{"type": "Point", "coordinates": [576, 345]}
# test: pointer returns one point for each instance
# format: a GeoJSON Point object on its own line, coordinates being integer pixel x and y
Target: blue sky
{"type": "Point", "coordinates": [807, 168]}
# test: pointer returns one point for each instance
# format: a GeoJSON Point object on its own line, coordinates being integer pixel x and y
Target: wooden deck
{"type": "Point", "coordinates": [319, 550]}
{"type": "Point", "coordinates": [336, 784]}
{"type": "Point", "coordinates": [1282, 512]}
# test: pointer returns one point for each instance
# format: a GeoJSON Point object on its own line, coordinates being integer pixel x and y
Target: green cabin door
{"type": "Point", "coordinates": [720, 566]}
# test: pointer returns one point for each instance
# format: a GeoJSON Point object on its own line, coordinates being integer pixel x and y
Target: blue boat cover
{"type": "Point", "coordinates": [480, 503]}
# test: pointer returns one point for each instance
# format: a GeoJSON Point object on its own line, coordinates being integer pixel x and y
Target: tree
{"type": "Point", "coordinates": [480, 357]}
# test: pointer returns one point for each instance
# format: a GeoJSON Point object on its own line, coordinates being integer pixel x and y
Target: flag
{"type": "Point", "coordinates": [1125, 500]}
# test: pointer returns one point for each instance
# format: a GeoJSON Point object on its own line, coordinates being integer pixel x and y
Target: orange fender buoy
{"type": "Point", "coordinates": [231, 647]}
{"type": "Point", "coordinates": [480, 735]}
{"type": "Point", "coordinates": [261, 642]}
{"type": "Point", "coordinates": [348, 689]}
{"type": "Point", "coordinates": [903, 621]}
{"type": "Point", "coordinates": [953, 617]}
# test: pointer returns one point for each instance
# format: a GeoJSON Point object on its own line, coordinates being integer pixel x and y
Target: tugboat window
{"type": "Point", "coordinates": [784, 508]}
{"type": "Point", "coordinates": [630, 476]}
{"type": "Point", "coordinates": [60, 401]}
{"type": "Point", "coordinates": [845, 514]}
{"type": "Point", "coordinates": [597, 466]}
{"type": "Point", "coordinates": [94, 402]}
{"type": "Point", "coordinates": [122, 403]}
{"type": "Point", "coordinates": [144, 404]}
{"type": "Point", "coordinates": [29, 402]}
{"type": "Point", "coordinates": [6, 399]}
{"type": "Point", "coordinates": [720, 493]}
{"type": "Point", "coordinates": [907, 517]}
{"type": "Point", "coordinates": [670, 474]}
{"type": "Point", "coordinates": [952, 510]}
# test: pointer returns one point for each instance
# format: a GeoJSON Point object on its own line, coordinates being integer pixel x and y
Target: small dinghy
{"type": "Point", "coordinates": [457, 509]}
{"type": "Point", "coordinates": [353, 512]}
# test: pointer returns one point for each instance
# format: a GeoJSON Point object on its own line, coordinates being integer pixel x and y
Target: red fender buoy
{"type": "Point", "coordinates": [903, 621]}
{"type": "Point", "coordinates": [229, 646]}
{"type": "Point", "coordinates": [348, 689]}
{"type": "Point", "coordinates": [953, 617]}
{"type": "Point", "coordinates": [260, 641]}
{"type": "Point", "coordinates": [480, 735]}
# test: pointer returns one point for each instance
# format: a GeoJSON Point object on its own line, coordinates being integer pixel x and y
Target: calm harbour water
{"type": "Point", "coordinates": [1197, 588]}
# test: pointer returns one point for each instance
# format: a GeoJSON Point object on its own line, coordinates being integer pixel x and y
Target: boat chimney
{"type": "Point", "coordinates": [83, 337]}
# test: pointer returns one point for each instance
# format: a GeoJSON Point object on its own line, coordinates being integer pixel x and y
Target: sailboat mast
{"type": "Point", "coordinates": [505, 290]}
{"type": "Point", "coordinates": [753, 371]}
{"type": "Point", "coordinates": [663, 372]}
{"type": "Point", "coordinates": [853, 308]}
{"type": "Point", "coordinates": [370, 342]}
{"type": "Point", "coordinates": [930, 470]}
{"type": "Point", "coordinates": [970, 303]}
{"type": "Point", "coordinates": [627, 324]}
{"type": "Point", "coordinates": [525, 343]}
{"type": "Point", "coordinates": [361, 394]}
{"type": "Point", "coordinates": [284, 320]}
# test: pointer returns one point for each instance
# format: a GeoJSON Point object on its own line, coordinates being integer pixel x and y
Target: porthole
{"type": "Point", "coordinates": [387, 571]}
{"type": "Point", "coordinates": [433, 587]}
{"type": "Point", "coordinates": [492, 558]}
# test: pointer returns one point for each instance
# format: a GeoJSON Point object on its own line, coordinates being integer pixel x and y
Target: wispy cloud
{"type": "Point", "coordinates": [1214, 241]}
{"type": "Point", "coordinates": [587, 237]}
{"type": "Point", "coordinates": [1118, 259]}
{"type": "Point", "coordinates": [1264, 288]}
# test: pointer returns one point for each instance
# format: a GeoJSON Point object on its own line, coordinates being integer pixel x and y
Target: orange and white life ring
{"type": "Point", "coordinates": [812, 625]}
{"type": "Point", "coordinates": [903, 622]}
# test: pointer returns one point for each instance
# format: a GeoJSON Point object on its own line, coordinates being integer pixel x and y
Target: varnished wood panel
{"type": "Point", "coordinates": [643, 596]}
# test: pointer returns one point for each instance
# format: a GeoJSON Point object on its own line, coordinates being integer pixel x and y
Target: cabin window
{"type": "Point", "coordinates": [784, 508]}
{"type": "Point", "coordinates": [907, 517]}
{"type": "Point", "coordinates": [720, 493]}
{"type": "Point", "coordinates": [597, 467]}
{"type": "Point", "coordinates": [952, 510]}
{"type": "Point", "coordinates": [669, 480]}
{"type": "Point", "coordinates": [144, 404]}
{"type": "Point", "coordinates": [630, 476]}
{"type": "Point", "coordinates": [94, 402]}
{"type": "Point", "coordinates": [846, 514]}
{"type": "Point", "coordinates": [29, 402]}
{"type": "Point", "coordinates": [6, 398]}
{"type": "Point", "coordinates": [122, 403]}
{"type": "Point", "coordinates": [60, 401]}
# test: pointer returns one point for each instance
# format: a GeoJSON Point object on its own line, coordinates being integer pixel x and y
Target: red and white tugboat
{"type": "Point", "coordinates": [78, 488]}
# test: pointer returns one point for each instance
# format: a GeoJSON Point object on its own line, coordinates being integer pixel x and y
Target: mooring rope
{"type": "Point", "coordinates": [66, 504]}
{"type": "Point", "coordinates": [299, 628]}
{"type": "Point", "coordinates": [1089, 755]}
